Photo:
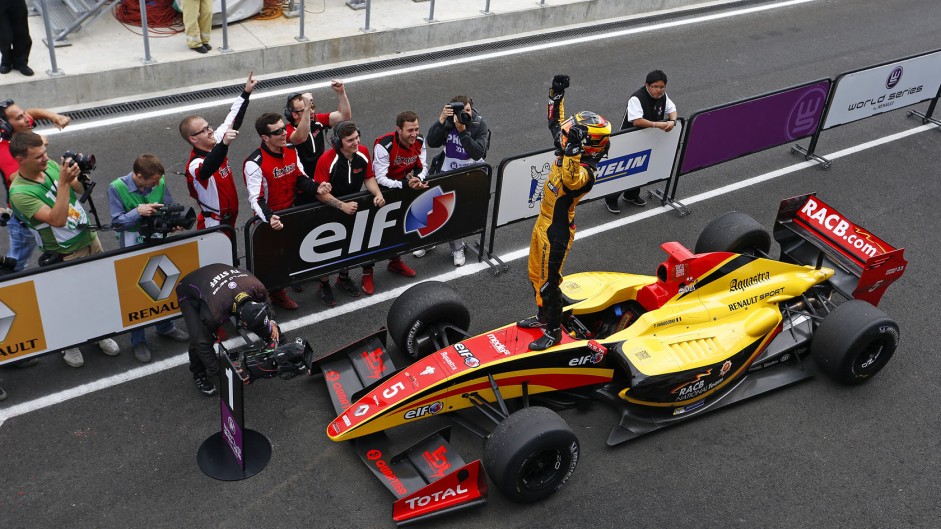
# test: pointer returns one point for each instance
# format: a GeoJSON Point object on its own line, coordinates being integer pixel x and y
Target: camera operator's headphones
{"type": "Point", "coordinates": [251, 315]}
{"type": "Point", "coordinates": [6, 130]}
{"type": "Point", "coordinates": [336, 139]}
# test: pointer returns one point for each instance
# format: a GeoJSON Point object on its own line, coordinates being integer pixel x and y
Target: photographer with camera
{"type": "Point", "coordinates": [43, 196]}
{"type": "Point", "coordinates": [134, 198]}
{"type": "Point", "coordinates": [462, 132]}
{"type": "Point", "coordinates": [208, 297]}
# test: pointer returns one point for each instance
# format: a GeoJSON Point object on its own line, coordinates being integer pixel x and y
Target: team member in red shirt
{"type": "Point", "coordinates": [275, 178]}
{"type": "Point", "coordinates": [307, 128]}
{"type": "Point", "coordinates": [209, 177]}
{"type": "Point", "coordinates": [399, 159]}
{"type": "Point", "coordinates": [346, 167]}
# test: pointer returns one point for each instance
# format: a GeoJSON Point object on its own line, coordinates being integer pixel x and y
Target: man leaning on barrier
{"type": "Point", "coordinates": [306, 128]}
{"type": "Point", "coordinates": [650, 108]}
{"type": "Point", "coordinates": [461, 130]}
{"type": "Point", "coordinates": [133, 198]}
{"type": "Point", "coordinates": [208, 297]}
{"type": "Point", "coordinates": [43, 196]}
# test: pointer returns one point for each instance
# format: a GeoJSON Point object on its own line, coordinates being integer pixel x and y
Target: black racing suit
{"type": "Point", "coordinates": [569, 180]}
{"type": "Point", "coordinates": [207, 300]}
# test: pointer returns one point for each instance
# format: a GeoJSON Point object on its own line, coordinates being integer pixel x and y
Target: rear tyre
{"type": "Point", "coordinates": [421, 311]}
{"type": "Point", "coordinates": [734, 232]}
{"type": "Point", "coordinates": [531, 454]}
{"type": "Point", "coordinates": [854, 342]}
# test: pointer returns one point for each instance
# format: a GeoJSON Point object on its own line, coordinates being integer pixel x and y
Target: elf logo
{"type": "Point", "coordinates": [431, 409]}
{"type": "Point", "coordinates": [469, 359]}
{"type": "Point", "coordinates": [430, 211]}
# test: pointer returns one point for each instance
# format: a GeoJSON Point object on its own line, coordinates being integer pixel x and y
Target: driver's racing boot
{"type": "Point", "coordinates": [549, 338]}
{"type": "Point", "coordinates": [533, 322]}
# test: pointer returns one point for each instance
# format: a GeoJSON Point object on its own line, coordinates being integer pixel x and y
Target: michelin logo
{"type": "Point", "coordinates": [622, 166]}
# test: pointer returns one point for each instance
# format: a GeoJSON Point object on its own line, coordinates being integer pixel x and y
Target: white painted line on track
{"type": "Point", "coordinates": [466, 270]}
{"type": "Point", "coordinates": [281, 92]}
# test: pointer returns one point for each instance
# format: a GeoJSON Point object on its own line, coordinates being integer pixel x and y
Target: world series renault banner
{"type": "Point", "coordinates": [320, 240]}
{"type": "Point", "coordinates": [879, 89]}
{"type": "Point", "coordinates": [84, 300]}
{"type": "Point", "coordinates": [637, 157]}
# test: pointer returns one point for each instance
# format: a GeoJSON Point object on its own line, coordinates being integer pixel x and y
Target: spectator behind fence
{"type": "Point", "coordinates": [398, 160]}
{"type": "Point", "coordinates": [133, 198]}
{"type": "Point", "coordinates": [197, 23]}
{"type": "Point", "coordinates": [14, 119]}
{"type": "Point", "coordinates": [465, 138]}
{"type": "Point", "coordinates": [209, 177]}
{"type": "Point", "coordinates": [346, 167]}
{"type": "Point", "coordinates": [307, 128]}
{"type": "Point", "coordinates": [646, 108]}
{"type": "Point", "coordinates": [209, 297]}
{"type": "Point", "coordinates": [43, 196]}
{"type": "Point", "coordinates": [15, 41]}
{"type": "Point", "coordinates": [275, 179]}
{"type": "Point", "coordinates": [581, 142]}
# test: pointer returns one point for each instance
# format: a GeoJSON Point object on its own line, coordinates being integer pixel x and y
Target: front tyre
{"type": "Point", "coordinates": [531, 454]}
{"type": "Point", "coordinates": [423, 311]}
{"type": "Point", "coordinates": [854, 342]}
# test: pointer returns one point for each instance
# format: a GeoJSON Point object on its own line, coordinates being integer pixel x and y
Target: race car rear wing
{"type": "Point", "coordinates": [812, 232]}
{"type": "Point", "coordinates": [429, 478]}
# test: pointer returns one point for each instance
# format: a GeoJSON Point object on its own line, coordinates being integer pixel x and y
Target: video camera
{"type": "Point", "coordinates": [463, 118]}
{"type": "Point", "coordinates": [284, 361]}
{"type": "Point", "coordinates": [166, 219]}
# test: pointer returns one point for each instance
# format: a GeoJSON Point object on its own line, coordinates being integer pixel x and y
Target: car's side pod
{"type": "Point", "coordinates": [811, 232]}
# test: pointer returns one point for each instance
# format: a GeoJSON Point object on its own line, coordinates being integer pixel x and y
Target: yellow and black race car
{"type": "Point", "coordinates": [712, 327]}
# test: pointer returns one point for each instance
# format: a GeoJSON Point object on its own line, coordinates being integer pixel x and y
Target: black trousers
{"type": "Point", "coordinates": [15, 41]}
{"type": "Point", "coordinates": [203, 360]}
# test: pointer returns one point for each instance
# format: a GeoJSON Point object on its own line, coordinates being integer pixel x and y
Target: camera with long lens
{"type": "Point", "coordinates": [166, 219]}
{"type": "Point", "coordinates": [284, 361]}
{"type": "Point", "coordinates": [464, 118]}
{"type": "Point", "coordinates": [7, 265]}
{"type": "Point", "coordinates": [86, 164]}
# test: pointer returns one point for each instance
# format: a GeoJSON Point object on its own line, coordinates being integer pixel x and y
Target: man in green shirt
{"type": "Point", "coordinates": [43, 197]}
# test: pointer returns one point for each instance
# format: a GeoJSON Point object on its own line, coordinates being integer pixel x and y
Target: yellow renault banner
{"type": "Point", "coordinates": [21, 327]}
{"type": "Point", "coordinates": [147, 282]}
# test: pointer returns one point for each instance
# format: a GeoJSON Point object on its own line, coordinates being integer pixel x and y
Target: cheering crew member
{"type": "Point", "coordinates": [208, 174]}
{"type": "Point", "coordinates": [399, 159]}
{"type": "Point", "coordinates": [208, 297]}
{"type": "Point", "coordinates": [346, 167]}
{"type": "Point", "coordinates": [581, 141]}
{"type": "Point", "coordinates": [275, 178]}
{"type": "Point", "coordinates": [307, 128]}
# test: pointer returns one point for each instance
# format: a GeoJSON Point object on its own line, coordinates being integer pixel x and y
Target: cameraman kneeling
{"type": "Point", "coordinates": [131, 197]}
{"type": "Point", "coordinates": [208, 297]}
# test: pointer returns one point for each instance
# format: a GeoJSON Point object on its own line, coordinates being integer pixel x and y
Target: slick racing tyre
{"type": "Point", "coordinates": [854, 342]}
{"type": "Point", "coordinates": [422, 313]}
{"type": "Point", "coordinates": [531, 454]}
{"type": "Point", "coordinates": [734, 232]}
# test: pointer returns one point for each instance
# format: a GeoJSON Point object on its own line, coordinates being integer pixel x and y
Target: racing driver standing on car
{"type": "Point", "coordinates": [581, 142]}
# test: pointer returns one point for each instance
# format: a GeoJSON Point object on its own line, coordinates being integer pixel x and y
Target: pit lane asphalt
{"type": "Point", "coordinates": [814, 455]}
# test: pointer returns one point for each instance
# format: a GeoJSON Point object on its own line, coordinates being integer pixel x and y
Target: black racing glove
{"type": "Point", "coordinates": [575, 138]}
{"type": "Point", "coordinates": [559, 84]}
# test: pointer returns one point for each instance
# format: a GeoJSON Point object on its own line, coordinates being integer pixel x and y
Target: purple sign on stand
{"type": "Point", "coordinates": [232, 433]}
{"type": "Point", "coordinates": [753, 125]}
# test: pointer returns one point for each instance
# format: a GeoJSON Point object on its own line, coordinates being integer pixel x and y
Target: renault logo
{"type": "Point", "coordinates": [6, 321]}
{"type": "Point", "coordinates": [159, 277]}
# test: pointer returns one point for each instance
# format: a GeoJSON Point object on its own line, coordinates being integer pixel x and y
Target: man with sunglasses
{"type": "Point", "coordinates": [210, 296]}
{"type": "Point", "coordinates": [307, 128]}
{"type": "Point", "coordinates": [209, 177]}
{"type": "Point", "coordinates": [14, 119]}
{"type": "Point", "coordinates": [275, 178]}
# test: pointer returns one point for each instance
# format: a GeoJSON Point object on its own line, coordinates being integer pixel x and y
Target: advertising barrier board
{"type": "Point", "coordinates": [79, 301]}
{"type": "Point", "coordinates": [318, 240]}
{"type": "Point", "coordinates": [890, 86]}
{"type": "Point", "coordinates": [744, 127]}
{"type": "Point", "coordinates": [637, 157]}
